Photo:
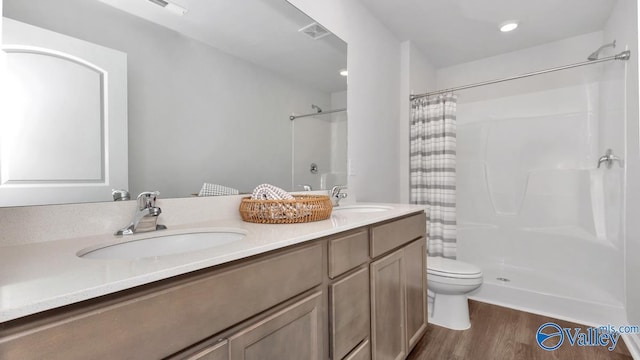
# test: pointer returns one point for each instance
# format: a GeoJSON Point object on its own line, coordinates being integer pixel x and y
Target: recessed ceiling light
{"type": "Point", "coordinates": [344, 72]}
{"type": "Point", "coordinates": [508, 26]}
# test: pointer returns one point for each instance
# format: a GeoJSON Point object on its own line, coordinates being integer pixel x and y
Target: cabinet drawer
{"type": "Point", "coordinates": [348, 252]}
{"type": "Point", "coordinates": [349, 312]}
{"type": "Point", "coordinates": [209, 303]}
{"type": "Point", "coordinates": [394, 234]}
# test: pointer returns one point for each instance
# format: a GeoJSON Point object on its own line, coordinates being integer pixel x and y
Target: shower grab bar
{"type": "Point", "coordinates": [609, 159]}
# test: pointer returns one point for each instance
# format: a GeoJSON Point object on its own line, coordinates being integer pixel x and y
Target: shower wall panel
{"type": "Point", "coordinates": [532, 206]}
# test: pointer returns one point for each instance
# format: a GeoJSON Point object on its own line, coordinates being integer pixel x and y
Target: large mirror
{"type": "Point", "coordinates": [162, 95]}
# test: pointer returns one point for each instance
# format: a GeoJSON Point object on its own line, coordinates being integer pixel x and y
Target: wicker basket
{"type": "Point", "coordinates": [303, 208]}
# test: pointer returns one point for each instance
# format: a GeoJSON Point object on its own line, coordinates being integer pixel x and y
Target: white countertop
{"type": "Point", "coordinates": [35, 277]}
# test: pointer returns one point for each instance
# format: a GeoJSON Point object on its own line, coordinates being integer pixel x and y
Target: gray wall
{"type": "Point", "coordinates": [196, 114]}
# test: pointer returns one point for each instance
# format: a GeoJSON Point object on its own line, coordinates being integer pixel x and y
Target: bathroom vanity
{"type": "Point", "coordinates": [352, 287]}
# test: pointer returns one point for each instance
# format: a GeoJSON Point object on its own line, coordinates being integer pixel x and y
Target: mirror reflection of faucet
{"type": "Point", "coordinates": [146, 216]}
{"type": "Point", "coordinates": [609, 159]}
{"type": "Point", "coordinates": [120, 195]}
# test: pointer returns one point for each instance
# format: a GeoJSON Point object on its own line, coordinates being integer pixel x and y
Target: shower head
{"type": "Point", "coordinates": [594, 55]}
{"type": "Point", "coordinates": [316, 107]}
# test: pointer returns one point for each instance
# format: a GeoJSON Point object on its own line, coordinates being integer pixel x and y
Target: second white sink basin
{"type": "Point", "coordinates": [162, 245]}
{"type": "Point", "coordinates": [361, 208]}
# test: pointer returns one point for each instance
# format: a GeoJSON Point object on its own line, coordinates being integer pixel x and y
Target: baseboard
{"type": "Point", "coordinates": [633, 344]}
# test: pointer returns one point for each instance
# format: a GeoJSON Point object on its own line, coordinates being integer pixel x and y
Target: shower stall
{"type": "Point", "coordinates": [319, 145]}
{"type": "Point", "coordinates": [534, 210]}
{"type": "Point", "coordinates": [540, 201]}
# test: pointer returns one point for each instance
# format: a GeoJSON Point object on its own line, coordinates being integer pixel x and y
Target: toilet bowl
{"type": "Point", "coordinates": [451, 281]}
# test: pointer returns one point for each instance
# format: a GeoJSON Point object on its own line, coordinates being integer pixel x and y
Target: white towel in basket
{"type": "Point", "coordinates": [270, 192]}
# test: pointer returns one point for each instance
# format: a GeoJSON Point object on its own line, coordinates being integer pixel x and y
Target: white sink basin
{"type": "Point", "coordinates": [361, 208]}
{"type": "Point", "coordinates": [162, 245]}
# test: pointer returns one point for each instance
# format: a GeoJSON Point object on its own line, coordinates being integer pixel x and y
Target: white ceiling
{"type": "Point", "coordinates": [264, 32]}
{"type": "Point", "coordinates": [451, 32]}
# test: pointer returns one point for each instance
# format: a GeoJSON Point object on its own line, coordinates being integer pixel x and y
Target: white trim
{"type": "Point", "coordinates": [28, 49]}
{"type": "Point", "coordinates": [111, 68]}
{"type": "Point", "coordinates": [633, 344]}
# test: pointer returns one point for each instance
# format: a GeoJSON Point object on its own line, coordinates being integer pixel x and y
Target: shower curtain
{"type": "Point", "coordinates": [433, 169]}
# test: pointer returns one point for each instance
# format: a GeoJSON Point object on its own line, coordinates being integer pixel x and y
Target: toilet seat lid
{"type": "Point", "coordinates": [450, 267]}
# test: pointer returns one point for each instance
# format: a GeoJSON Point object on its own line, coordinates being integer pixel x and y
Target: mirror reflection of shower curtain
{"type": "Point", "coordinates": [433, 169]}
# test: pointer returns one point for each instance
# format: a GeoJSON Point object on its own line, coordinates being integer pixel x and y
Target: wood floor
{"type": "Point", "coordinates": [499, 333]}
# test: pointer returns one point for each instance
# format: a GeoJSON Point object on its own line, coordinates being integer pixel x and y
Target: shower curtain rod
{"type": "Point", "coordinates": [625, 55]}
{"type": "Point", "coordinates": [293, 117]}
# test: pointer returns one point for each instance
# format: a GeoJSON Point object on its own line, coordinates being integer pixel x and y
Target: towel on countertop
{"type": "Point", "coordinates": [270, 192]}
{"type": "Point", "coordinates": [216, 190]}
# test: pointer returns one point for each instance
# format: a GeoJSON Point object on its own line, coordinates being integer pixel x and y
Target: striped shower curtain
{"type": "Point", "coordinates": [433, 169]}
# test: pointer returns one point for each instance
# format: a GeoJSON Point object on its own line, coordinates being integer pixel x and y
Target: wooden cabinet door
{"type": "Point", "coordinates": [362, 352]}
{"type": "Point", "coordinates": [416, 292]}
{"type": "Point", "coordinates": [349, 313]}
{"type": "Point", "coordinates": [219, 351]}
{"type": "Point", "coordinates": [388, 330]}
{"type": "Point", "coordinates": [292, 333]}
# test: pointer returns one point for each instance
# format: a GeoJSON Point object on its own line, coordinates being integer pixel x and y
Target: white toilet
{"type": "Point", "coordinates": [450, 281]}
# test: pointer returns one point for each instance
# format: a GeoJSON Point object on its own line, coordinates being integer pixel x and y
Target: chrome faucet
{"type": "Point", "coordinates": [146, 216]}
{"type": "Point", "coordinates": [609, 159]}
{"type": "Point", "coordinates": [336, 195]}
{"type": "Point", "coordinates": [306, 187]}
